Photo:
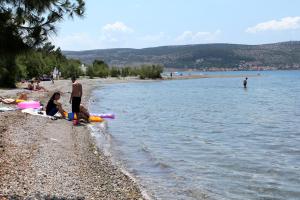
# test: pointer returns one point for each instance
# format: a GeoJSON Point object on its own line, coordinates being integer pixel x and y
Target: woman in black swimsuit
{"type": "Point", "coordinates": [54, 106]}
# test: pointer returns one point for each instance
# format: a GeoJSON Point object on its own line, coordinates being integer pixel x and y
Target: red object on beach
{"type": "Point", "coordinates": [75, 122]}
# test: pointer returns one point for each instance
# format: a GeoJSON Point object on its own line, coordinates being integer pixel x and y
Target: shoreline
{"type": "Point", "coordinates": [41, 158]}
{"type": "Point", "coordinates": [184, 77]}
{"type": "Point", "coordinates": [142, 191]}
{"type": "Point", "coordinates": [63, 140]}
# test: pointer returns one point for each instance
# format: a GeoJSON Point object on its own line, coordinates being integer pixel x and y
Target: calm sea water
{"type": "Point", "coordinates": [207, 138]}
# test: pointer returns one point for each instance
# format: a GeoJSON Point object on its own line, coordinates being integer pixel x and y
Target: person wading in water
{"type": "Point", "coordinates": [245, 82]}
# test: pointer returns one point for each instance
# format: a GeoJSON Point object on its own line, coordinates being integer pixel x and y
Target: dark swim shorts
{"type": "Point", "coordinates": [52, 112]}
{"type": "Point", "coordinates": [76, 104]}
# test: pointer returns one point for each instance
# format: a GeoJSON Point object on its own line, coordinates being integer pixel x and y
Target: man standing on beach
{"type": "Point", "coordinates": [245, 82]}
{"type": "Point", "coordinates": [75, 98]}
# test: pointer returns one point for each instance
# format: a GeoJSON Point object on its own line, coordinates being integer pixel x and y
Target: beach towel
{"type": "Point", "coordinates": [5, 109]}
{"type": "Point", "coordinates": [39, 112]}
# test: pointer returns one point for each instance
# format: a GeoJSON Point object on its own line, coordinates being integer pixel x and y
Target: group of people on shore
{"type": "Point", "coordinates": [54, 106]}
{"type": "Point", "coordinates": [35, 86]}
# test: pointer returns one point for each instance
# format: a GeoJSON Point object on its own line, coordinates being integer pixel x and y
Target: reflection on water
{"type": "Point", "coordinates": [208, 138]}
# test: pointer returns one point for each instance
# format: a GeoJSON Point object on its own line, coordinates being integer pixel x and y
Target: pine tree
{"type": "Point", "coordinates": [26, 24]}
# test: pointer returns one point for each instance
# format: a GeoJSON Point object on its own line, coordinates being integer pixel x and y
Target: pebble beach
{"type": "Point", "coordinates": [42, 158]}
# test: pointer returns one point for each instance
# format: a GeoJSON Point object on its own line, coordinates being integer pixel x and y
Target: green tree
{"type": "Point", "coordinates": [90, 71]}
{"type": "Point", "coordinates": [125, 71]}
{"type": "Point", "coordinates": [150, 71]}
{"type": "Point", "coordinates": [115, 72]}
{"type": "Point", "coordinates": [100, 69]}
{"type": "Point", "coordinates": [72, 68]}
{"type": "Point", "coordinates": [32, 62]}
{"type": "Point", "coordinates": [26, 24]}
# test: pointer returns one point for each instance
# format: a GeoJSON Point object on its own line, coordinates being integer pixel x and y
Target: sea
{"type": "Point", "coordinates": [206, 138]}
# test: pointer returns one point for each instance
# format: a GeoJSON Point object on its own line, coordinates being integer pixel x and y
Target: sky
{"type": "Point", "coordinates": [151, 23]}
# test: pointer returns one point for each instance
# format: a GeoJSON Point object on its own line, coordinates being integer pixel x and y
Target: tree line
{"type": "Point", "coordinates": [100, 69]}
{"type": "Point", "coordinates": [24, 27]}
{"type": "Point", "coordinates": [41, 61]}
{"type": "Point", "coordinates": [25, 52]}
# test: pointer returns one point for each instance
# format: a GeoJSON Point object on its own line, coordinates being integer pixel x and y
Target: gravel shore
{"type": "Point", "coordinates": [42, 158]}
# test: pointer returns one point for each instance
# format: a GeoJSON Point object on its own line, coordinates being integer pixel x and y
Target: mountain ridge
{"type": "Point", "coordinates": [282, 55]}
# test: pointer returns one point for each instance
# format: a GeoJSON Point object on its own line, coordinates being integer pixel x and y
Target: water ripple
{"type": "Point", "coordinates": [208, 138]}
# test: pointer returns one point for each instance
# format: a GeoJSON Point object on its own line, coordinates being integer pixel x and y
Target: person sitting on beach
{"type": "Point", "coordinates": [54, 106]}
{"type": "Point", "coordinates": [84, 113]}
{"type": "Point", "coordinates": [38, 87]}
{"type": "Point", "coordinates": [30, 85]}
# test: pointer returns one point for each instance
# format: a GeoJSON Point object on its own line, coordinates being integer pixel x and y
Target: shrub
{"type": "Point", "coordinates": [125, 72]}
{"type": "Point", "coordinates": [90, 72]}
{"type": "Point", "coordinates": [100, 69]}
{"type": "Point", "coordinates": [150, 71]}
{"type": "Point", "coordinates": [115, 72]}
{"type": "Point", "coordinates": [72, 68]}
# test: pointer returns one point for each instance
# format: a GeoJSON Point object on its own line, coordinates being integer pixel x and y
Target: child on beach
{"type": "Point", "coordinates": [30, 85]}
{"type": "Point", "coordinates": [84, 113]}
{"type": "Point", "coordinates": [75, 98]}
{"type": "Point", "coordinates": [38, 87]}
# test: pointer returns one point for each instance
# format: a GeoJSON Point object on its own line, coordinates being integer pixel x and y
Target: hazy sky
{"type": "Point", "coordinates": [148, 23]}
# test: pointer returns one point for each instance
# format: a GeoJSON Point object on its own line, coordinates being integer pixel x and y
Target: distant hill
{"type": "Point", "coordinates": [284, 55]}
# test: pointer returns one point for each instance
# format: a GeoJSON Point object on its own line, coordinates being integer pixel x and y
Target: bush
{"type": "Point", "coordinates": [143, 72]}
{"type": "Point", "coordinates": [151, 72]}
{"type": "Point", "coordinates": [38, 62]}
{"type": "Point", "coordinates": [100, 69]}
{"type": "Point", "coordinates": [33, 63]}
{"type": "Point", "coordinates": [71, 68]}
{"type": "Point", "coordinates": [125, 71]}
{"type": "Point", "coordinates": [90, 72]}
{"type": "Point", "coordinates": [115, 72]}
